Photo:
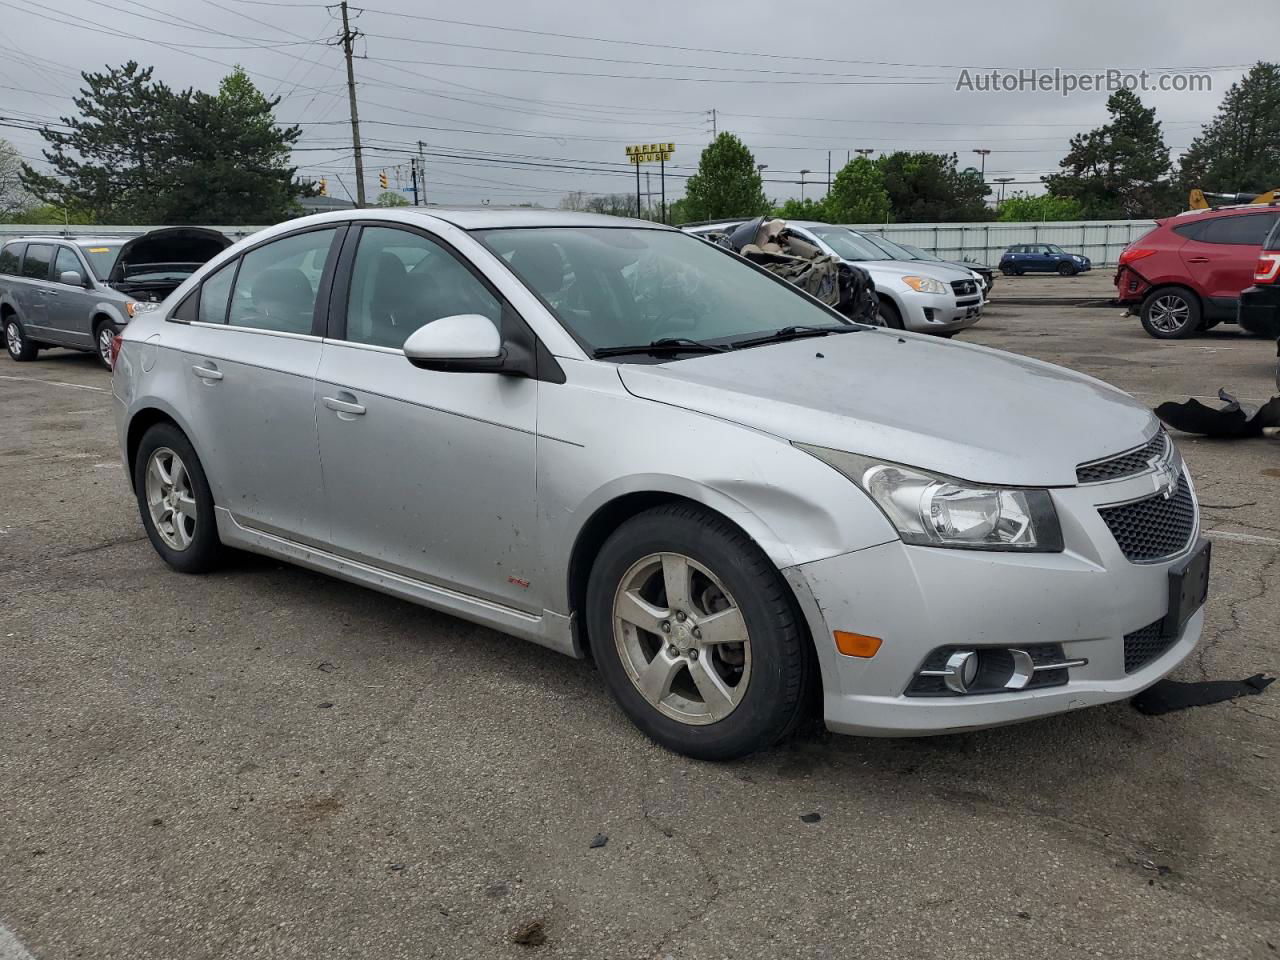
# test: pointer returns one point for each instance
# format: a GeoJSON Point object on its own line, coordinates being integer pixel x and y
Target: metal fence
{"type": "Point", "coordinates": [1099, 240]}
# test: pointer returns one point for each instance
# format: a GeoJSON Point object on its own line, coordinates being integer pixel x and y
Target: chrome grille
{"type": "Point", "coordinates": [1128, 464]}
{"type": "Point", "coordinates": [1144, 645]}
{"type": "Point", "coordinates": [964, 288]}
{"type": "Point", "coordinates": [1154, 528]}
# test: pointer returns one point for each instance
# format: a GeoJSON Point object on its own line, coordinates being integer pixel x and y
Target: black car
{"type": "Point", "coordinates": [1259, 310]}
{"type": "Point", "coordinates": [986, 273]}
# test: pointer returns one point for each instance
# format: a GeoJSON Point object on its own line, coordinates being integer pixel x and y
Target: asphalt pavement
{"type": "Point", "coordinates": [264, 762]}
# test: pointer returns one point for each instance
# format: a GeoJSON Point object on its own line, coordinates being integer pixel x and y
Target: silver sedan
{"type": "Point", "coordinates": [615, 440]}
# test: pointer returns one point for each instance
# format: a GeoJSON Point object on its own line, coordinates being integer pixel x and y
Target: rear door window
{"type": "Point", "coordinates": [277, 284]}
{"type": "Point", "coordinates": [1248, 229]}
{"type": "Point", "coordinates": [35, 265]}
{"type": "Point", "coordinates": [10, 258]}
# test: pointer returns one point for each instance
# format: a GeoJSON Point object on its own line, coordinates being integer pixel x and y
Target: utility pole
{"type": "Point", "coordinates": [413, 172]}
{"type": "Point", "coordinates": [713, 123]}
{"type": "Point", "coordinates": [422, 170]}
{"type": "Point", "coordinates": [828, 171]}
{"type": "Point", "coordinates": [348, 42]}
{"type": "Point", "coordinates": [648, 191]}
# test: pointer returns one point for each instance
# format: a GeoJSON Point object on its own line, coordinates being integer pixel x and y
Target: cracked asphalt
{"type": "Point", "coordinates": [267, 763]}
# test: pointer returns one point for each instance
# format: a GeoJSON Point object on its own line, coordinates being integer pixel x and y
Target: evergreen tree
{"type": "Point", "coordinates": [727, 183]}
{"type": "Point", "coordinates": [1239, 150]}
{"type": "Point", "coordinates": [928, 187]}
{"type": "Point", "coordinates": [1121, 169]}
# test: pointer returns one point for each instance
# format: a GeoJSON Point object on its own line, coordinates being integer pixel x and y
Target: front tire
{"type": "Point", "coordinates": [887, 315]}
{"type": "Point", "coordinates": [697, 635]}
{"type": "Point", "coordinates": [1171, 313]}
{"type": "Point", "coordinates": [15, 340]}
{"type": "Point", "coordinates": [175, 501]}
{"type": "Point", "coordinates": [1067, 270]}
{"type": "Point", "coordinates": [103, 334]}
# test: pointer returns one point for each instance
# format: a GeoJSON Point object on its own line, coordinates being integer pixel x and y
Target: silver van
{"type": "Point", "coordinates": [80, 292]}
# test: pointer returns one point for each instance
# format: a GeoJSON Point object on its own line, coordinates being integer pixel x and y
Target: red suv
{"type": "Point", "coordinates": [1186, 275]}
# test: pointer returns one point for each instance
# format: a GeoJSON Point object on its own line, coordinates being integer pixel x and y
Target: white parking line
{"type": "Point", "coordinates": [11, 948]}
{"type": "Point", "coordinates": [1241, 537]}
{"type": "Point", "coordinates": [56, 383]}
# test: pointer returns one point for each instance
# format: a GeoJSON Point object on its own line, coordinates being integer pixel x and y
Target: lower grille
{"type": "Point", "coordinates": [1155, 528]}
{"type": "Point", "coordinates": [1144, 645]}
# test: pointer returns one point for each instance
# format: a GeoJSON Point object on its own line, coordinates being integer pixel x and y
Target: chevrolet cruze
{"type": "Point", "coordinates": [618, 441]}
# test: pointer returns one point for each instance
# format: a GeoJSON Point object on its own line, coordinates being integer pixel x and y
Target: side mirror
{"type": "Point", "coordinates": [462, 343]}
{"type": "Point", "coordinates": [71, 278]}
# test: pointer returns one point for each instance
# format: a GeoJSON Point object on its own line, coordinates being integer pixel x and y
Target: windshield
{"type": "Point", "coordinates": [893, 251]}
{"type": "Point", "coordinates": [847, 244]}
{"type": "Point", "coordinates": [102, 257]}
{"type": "Point", "coordinates": [1054, 248]}
{"type": "Point", "coordinates": [613, 286]}
{"type": "Point", "coordinates": [918, 254]}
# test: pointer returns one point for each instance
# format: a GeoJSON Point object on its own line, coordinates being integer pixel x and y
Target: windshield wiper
{"type": "Point", "coordinates": [665, 345]}
{"type": "Point", "coordinates": [791, 333]}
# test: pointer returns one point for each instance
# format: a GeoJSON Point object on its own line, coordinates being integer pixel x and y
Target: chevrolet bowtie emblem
{"type": "Point", "coordinates": [1166, 478]}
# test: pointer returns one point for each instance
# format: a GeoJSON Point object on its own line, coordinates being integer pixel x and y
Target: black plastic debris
{"type": "Point", "coordinates": [395, 867]}
{"type": "Point", "coordinates": [810, 817]}
{"type": "Point", "coordinates": [599, 840]}
{"type": "Point", "coordinates": [1165, 696]}
{"type": "Point", "coordinates": [324, 706]}
{"type": "Point", "coordinates": [1232, 421]}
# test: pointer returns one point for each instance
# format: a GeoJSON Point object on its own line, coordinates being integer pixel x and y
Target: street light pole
{"type": "Point", "coordinates": [802, 175]}
{"type": "Point", "coordinates": [1002, 181]}
{"type": "Point", "coordinates": [983, 152]}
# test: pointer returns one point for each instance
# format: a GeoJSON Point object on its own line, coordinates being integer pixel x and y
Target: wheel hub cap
{"type": "Point", "coordinates": [170, 498]}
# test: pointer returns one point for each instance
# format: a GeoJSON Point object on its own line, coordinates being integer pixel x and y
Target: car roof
{"type": "Point", "coordinates": [490, 218]}
{"type": "Point", "coordinates": [1233, 208]}
{"type": "Point", "coordinates": [52, 238]}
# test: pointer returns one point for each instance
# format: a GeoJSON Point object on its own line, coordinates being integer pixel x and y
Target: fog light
{"type": "Point", "coordinates": [961, 671]}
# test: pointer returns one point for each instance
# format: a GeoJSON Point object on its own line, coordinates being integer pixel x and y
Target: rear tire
{"type": "Point", "coordinates": [16, 342]}
{"type": "Point", "coordinates": [175, 501]}
{"type": "Point", "coordinates": [1171, 313]}
{"type": "Point", "coordinates": [686, 684]}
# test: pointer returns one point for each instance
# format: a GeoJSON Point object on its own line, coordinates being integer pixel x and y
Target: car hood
{"type": "Point", "coordinates": [170, 245]}
{"type": "Point", "coordinates": [914, 268]}
{"type": "Point", "coordinates": [963, 410]}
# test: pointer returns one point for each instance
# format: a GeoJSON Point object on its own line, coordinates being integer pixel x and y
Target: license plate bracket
{"type": "Point", "coordinates": [1188, 589]}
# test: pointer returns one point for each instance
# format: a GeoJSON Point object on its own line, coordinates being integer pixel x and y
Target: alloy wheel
{"type": "Point", "coordinates": [1170, 313]}
{"type": "Point", "coordinates": [13, 336]}
{"type": "Point", "coordinates": [105, 336]}
{"type": "Point", "coordinates": [170, 498]}
{"type": "Point", "coordinates": [682, 638]}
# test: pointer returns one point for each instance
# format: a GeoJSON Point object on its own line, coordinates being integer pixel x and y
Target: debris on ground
{"type": "Point", "coordinates": [1234, 420]}
{"type": "Point", "coordinates": [810, 817]}
{"type": "Point", "coordinates": [599, 840]}
{"type": "Point", "coordinates": [1165, 696]}
{"type": "Point", "coordinates": [531, 933]}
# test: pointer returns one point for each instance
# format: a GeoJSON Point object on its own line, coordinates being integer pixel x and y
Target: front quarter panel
{"type": "Point", "coordinates": [598, 443]}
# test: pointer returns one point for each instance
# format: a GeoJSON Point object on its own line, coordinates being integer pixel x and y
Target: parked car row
{"type": "Point", "coordinates": [924, 296]}
{"type": "Point", "coordinates": [79, 293]}
{"type": "Point", "coordinates": [611, 438]}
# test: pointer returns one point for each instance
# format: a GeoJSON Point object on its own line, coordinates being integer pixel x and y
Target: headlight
{"type": "Point", "coordinates": [932, 510]}
{"type": "Point", "coordinates": [924, 285]}
{"type": "Point", "coordinates": [135, 307]}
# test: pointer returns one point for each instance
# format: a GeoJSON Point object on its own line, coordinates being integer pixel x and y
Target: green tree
{"type": "Point", "coordinates": [47, 213]}
{"type": "Point", "coordinates": [858, 194]}
{"type": "Point", "coordinates": [806, 209]}
{"type": "Point", "coordinates": [390, 198]}
{"type": "Point", "coordinates": [1121, 169]}
{"type": "Point", "coordinates": [1023, 208]}
{"type": "Point", "coordinates": [140, 153]}
{"type": "Point", "coordinates": [727, 183]}
{"type": "Point", "coordinates": [1239, 150]}
{"type": "Point", "coordinates": [927, 188]}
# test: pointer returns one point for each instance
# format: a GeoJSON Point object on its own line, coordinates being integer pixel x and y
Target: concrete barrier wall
{"type": "Point", "coordinates": [1099, 240]}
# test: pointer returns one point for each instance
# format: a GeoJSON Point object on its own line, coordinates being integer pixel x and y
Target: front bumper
{"type": "Point", "coordinates": [918, 599]}
{"type": "Point", "coordinates": [939, 312]}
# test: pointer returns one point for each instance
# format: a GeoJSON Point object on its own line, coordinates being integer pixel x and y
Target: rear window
{"type": "Point", "coordinates": [1247, 229]}
{"type": "Point", "coordinates": [9, 259]}
{"type": "Point", "coordinates": [35, 265]}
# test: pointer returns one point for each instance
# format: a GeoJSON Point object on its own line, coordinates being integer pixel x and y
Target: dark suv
{"type": "Point", "coordinates": [1186, 275]}
{"type": "Point", "coordinates": [1260, 304]}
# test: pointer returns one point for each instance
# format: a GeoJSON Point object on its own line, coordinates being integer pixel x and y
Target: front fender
{"type": "Point", "coordinates": [112, 311]}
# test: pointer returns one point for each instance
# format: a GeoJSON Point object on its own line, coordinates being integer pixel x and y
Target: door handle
{"type": "Point", "coordinates": [340, 406]}
{"type": "Point", "coordinates": [1197, 259]}
{"type": "Point", "coordinates": [207, 373]}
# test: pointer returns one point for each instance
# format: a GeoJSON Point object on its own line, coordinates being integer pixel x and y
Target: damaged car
{"type": "Point", "coordinates": [79, 293]}
{"type": "Point", "coordinates": [613, 439]}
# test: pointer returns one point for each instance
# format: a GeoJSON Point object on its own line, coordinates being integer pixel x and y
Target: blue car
{"type": "Point", "coordinates": [1042, 258]}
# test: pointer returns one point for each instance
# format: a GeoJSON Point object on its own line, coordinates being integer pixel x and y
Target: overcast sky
{"type": "Point", "coordinates": [509, 116]}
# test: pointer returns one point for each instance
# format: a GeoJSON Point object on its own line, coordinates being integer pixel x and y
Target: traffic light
{"type": "Point", "coordinates": [324, 187]}
{"type": "Point", "coordinates": [382, 179]}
